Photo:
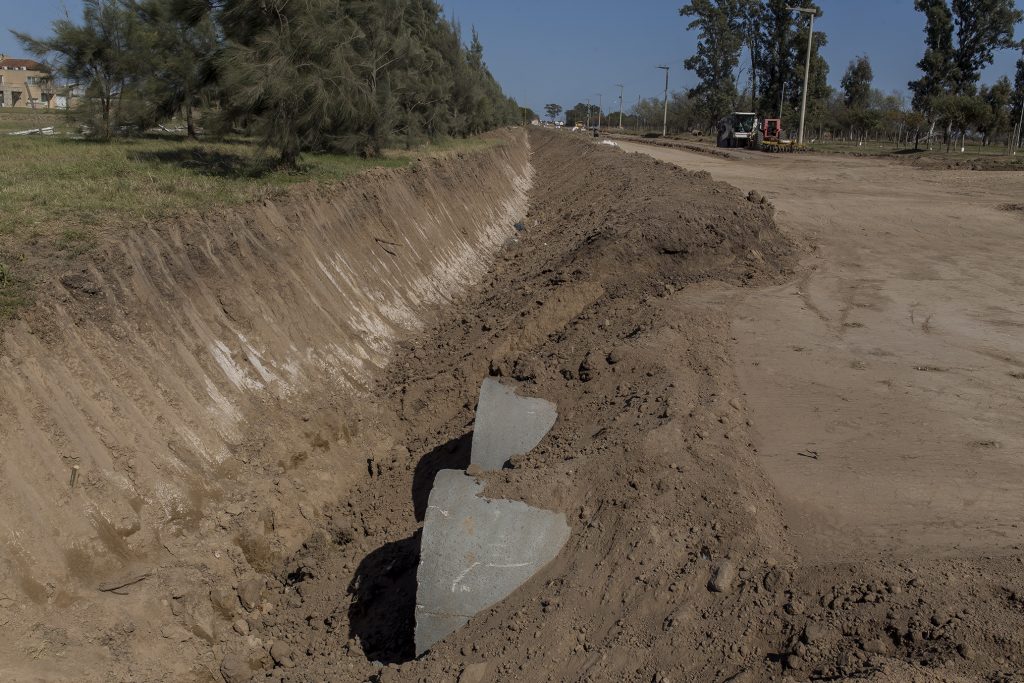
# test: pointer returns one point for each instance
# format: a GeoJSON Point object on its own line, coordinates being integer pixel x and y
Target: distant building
{"type": "Point", "coordinates": [25, 83]}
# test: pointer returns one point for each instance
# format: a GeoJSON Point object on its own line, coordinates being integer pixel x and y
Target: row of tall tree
{"type": "Point", "coordinates": [961, 39]}
{"type": "Point", "coordinates": [351, 76]}
{"type": "Point", "coordinates": [776, 46]}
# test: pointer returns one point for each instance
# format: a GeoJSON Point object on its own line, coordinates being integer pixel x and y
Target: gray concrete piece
{"type": "Point", "coordinates": [507, 425]}
{"type": "Point", "coordinates": [475, 552]}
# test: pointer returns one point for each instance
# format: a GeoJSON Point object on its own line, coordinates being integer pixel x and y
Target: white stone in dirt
{"type": "Point", "coordinates": [475, 552]}
{"type": "Point", "coordinates": [507, 425]}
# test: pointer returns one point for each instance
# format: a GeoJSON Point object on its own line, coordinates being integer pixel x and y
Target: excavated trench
{"type": "Point", "coordinates": [259, 402]}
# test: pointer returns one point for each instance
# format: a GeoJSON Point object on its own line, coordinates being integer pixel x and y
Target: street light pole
{"type": "Point", "coordinates": [807, 66]}
{"type": "Point", "coordinates": [621, 87]}
{"type": "Point", "coordinates": [1020, 130]}
{"type": "Point", "coordinates": [638, 113]}
{"type": "Point", "coordinates": [588, 113]}
{"type": "Point", "coordinates": [664, 125]}
{"type": "Point", "coordinates": [600, 106]}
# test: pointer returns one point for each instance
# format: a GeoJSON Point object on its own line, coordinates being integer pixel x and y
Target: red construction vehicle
{"type": "Point", "coordinates": [771, 140]}
{"type": "Point", "coordinates": [745, 129]}
{"type": "Point", "coordinates": [771, 130]}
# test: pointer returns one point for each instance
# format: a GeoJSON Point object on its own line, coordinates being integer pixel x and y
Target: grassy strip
{"type": "Point", "coordinates": [60, 193]}
{"type": "Point", "coordinates": [23, 119]}
{"type": "Point", "coordinates": [55, 184]}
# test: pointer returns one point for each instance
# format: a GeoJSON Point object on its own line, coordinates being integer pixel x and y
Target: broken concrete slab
{"type": "Point", "coordinates": [475, 552]}
{"type": "Point", "coordinates": [507, 425]}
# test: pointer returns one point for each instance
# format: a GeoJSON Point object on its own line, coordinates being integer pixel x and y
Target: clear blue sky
{"type": "Point", "coordinates": [562, 51]}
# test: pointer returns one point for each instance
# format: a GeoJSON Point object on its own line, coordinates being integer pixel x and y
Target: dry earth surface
{"type": "Point", "coordinates": [895, 360]}
{"type": "Point", "coordinates": [786, 442]}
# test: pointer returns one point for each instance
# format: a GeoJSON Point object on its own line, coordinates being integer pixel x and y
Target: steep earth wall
{"type": "Point", "coordinates": [191, 364]}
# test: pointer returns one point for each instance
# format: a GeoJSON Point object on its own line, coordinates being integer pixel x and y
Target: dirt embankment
{"type": "Point", "coordinates": [205, 378]}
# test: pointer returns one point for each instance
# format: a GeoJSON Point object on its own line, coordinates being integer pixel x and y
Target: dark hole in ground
{"type": "Point", "coordinates": [453, 455]}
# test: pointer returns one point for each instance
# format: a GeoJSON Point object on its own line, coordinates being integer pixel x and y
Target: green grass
{"type": "Point", "coordinates": [55, 184]}
{"type": "Point", "coordinates": [973, 151]}
{"type": "Point", "coordinates": [23, 119]}
{"type": "Point", "coordinates": [68, 188]}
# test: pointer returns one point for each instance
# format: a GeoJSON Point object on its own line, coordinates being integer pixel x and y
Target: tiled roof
{"type": "Point", "coordinates": [29, 64]}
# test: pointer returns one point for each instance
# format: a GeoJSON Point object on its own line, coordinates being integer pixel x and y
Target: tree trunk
{"type": "Point", "coordinates": [289, 158]}
{"type": "Point", "coordinates": [190, 124]}
{"type": "Point", "coordinates": [106, 104]}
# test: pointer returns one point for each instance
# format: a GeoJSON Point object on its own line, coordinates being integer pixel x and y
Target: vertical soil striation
{"type": "Point", "coordinates": [209, 377]}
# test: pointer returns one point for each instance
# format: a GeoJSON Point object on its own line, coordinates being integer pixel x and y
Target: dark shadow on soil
{"type": "Point", "coordinates": [453, 455]}
{"type": "Point", "coordinates": [382, 614]}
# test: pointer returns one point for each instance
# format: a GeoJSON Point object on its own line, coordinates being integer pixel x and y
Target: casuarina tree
{"type": "Point", "coordinates": [288, 69]}
{"type": "Point", "coordinates": [180, 76]}
{"type": "Point", "coordinates": [103, 56]}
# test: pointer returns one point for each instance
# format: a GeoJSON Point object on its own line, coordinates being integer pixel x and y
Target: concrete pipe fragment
{"type": "Point", "coordinates": [507, 425]}
{"type": "Point", "coordinates": [475, 552]}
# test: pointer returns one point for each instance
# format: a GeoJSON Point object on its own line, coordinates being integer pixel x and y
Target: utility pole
{"type": "Point", "coordinates": [588, 113]}
{"type": "Point", "coordinates": [807, 66]}
{"type": "Point", "coordinates": [599, 108]}
{"type": "Point", "coordinates": [782, 100]}
{"type": "Point", "coordinates": [638, 113]}
{"type": "Point", "coordinates": [1019, 131]}
{"type": "Point", "coordinates": [621, 89]}
{"type": "Point", "coordinates": [664, 125]}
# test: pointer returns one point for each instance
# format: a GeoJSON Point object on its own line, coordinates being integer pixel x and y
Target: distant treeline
{"type": "Point", "coordinates": [352, 76]}
{"type": "Point", "coordinates": [751, 54]}
{"type": "Point", "coordinates": [961, 39]}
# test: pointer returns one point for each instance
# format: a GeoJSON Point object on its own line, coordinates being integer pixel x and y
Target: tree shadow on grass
{"type": "Point", "coordinates": [210, 162]}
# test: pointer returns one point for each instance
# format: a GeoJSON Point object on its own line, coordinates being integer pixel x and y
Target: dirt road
{"type": "Point", "coordinates": [885, 383]}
